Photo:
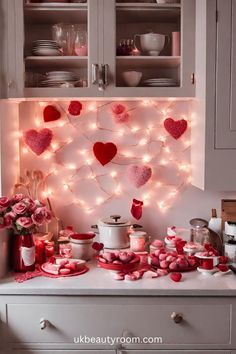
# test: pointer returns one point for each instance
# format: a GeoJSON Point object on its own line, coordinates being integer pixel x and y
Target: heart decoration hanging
{"type": "Point", "coordinates": [137, 209]}
{"type": "Point", "coordinates": [139, 175]}
{"type": "Point", "coordinates": [50, 113]}
{"type": "Point", "coordinates": [104, 152]}
{"type": "Point", "coordinates": [38, 142]}
{"type": "Point", "coordinates": [176, 128]}
{"type": "Point", "coordinates": [75, 108]}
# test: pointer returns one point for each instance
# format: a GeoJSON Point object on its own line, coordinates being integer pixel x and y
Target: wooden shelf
{"type": "Point", "coordinates": [51, 13]}
{"type": "Point", "coordinates": [49, 61]}
{"type": "Point", "coordinates": [143, 12]}
{"type": "Point", "coordinates": [148, 61]}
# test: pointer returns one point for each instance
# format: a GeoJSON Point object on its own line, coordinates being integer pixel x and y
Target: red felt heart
{"type": "Point", "coordinates": [176, 277]}
{"type": "Point", "coordinates": [104, 152]}
{"type": "Point", "coordinates": [38, 142]}
{"type": "Point", "coordinates": [50, 113]}
{"type": "Point", "coordinates": [175, 128]}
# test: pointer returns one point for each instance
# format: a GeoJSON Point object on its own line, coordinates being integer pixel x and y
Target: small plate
{"type": "Point", "coordinates": [207, 271]}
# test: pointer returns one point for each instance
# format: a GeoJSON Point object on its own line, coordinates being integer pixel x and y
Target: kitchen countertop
{"type": "Point", "coordinates": [100, 282]}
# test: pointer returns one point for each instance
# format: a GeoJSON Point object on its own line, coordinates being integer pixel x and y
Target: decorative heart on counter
{"type": "Point", "coordinates": [38, 142]}
{"type": "Point", "coordinates": [75, 108]}
{"type": "Point", "coordinates": [175, 128]}
{"type": "Point", "coordinates": [139, 175]}
{"type": "Point", "coordinates": [50, 113]}
{"type": "Point", "coordinates": [104, 152]}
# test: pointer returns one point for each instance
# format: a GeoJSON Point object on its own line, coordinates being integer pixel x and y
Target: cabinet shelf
{"type": "Point", "coordinates": [49, 61]}
{"type": "Point", "coordinates": [138, 13]}
{"type": "Point", "coordinates": [150, 61]}
{"type": "Point", "coordinates": [52, 13]}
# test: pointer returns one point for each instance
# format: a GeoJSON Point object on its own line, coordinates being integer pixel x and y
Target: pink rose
{"type": "Point", "coordinates": [17, 198]}
{"type": "Point", "coordinates": [39, 216]}
{"type": "Point", "coordinates": [118, 108]}
{"type": "Point", "coordinates": [8, 221]}
{"type": "Point", "coordinates": [4, 203]}
{"type": "Point", "coordinates": [30, 204]}
{"type": "Point", "coordinates": [24, 222]}
{"type": "Point", "coordinates": [19, 208]}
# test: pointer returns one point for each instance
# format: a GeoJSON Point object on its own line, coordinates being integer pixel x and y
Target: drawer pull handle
{"type": "Point", "coordinates": [177, 317]}
{"type": "Point", "coordinates": [43, 323]}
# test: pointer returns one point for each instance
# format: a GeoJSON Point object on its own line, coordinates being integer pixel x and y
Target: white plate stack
{"type": "Point", "coordinates": [60, 79]}
{"type": "Point", "coordinates": [44, 47]}
{"type": "Point", "coordinates": [160, 82]}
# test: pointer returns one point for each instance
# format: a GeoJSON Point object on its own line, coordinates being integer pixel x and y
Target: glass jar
{"type": "Point", "coordinates": [138, 241]}
{"type": "Point", "coordinates": [23, 253]}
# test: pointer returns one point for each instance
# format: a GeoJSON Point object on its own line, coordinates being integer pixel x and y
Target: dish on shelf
{"type": "Point", "coordinates": [132, 78]}
{"type": "Point", "coordinates": [160, 82]}
{"type": "Point", "coordinates": [46, 48]}
{"type": "Point", "coordinates": [59, 78]}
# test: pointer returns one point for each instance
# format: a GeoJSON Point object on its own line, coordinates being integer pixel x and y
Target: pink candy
{"type": "Point", "coordinates": [164, 264]}
{"type": "Point", "coordinates": [162, 272]}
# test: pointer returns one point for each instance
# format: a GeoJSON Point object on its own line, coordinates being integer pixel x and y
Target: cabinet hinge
{"type": "Point", "coordinates": [217, 15]}
{"type": "Point", "coordinates": [193, 78]}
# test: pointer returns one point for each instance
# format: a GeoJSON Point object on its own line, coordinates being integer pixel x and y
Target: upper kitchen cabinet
{"type": "Point", "coordinates": [57, 54]}
{"type": "Point", "coordinates": [214, 128]}
{"type": "Point", "coordinates": [151, 45]}
{"type": "Point", "coordinates": [102, 48]}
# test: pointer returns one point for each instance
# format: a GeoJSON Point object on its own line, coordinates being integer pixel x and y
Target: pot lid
{"type": "Point", "coordinates": [115, 220]}
{"type": "Point", "coordinates": [85, 236]}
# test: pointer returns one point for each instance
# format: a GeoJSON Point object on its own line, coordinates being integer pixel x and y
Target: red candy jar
{"type": "Point", "coordinates": [23, 253]}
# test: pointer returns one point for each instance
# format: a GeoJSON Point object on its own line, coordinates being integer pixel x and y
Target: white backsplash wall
{"type": "Point", "coordinates": [72, 158]}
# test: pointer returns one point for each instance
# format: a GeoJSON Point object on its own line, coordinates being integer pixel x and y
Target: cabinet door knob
{"type": "Point", "coordinates": [43, 323]}
{"type": "Point", "coordinates": [177, 317]}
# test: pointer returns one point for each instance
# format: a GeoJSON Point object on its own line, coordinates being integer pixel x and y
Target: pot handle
{"type": "Point", "coordinates": [95, 227]}
{"type": "Point", "coordinates": [136, 226]}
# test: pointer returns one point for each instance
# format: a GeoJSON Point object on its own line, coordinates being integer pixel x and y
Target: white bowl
{"type": "Point", "coordinates": [132, 78]}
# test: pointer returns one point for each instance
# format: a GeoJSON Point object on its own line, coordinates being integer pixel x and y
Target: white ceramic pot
{"type": "Point", "coordinates": [81, 245]}
{"type": "Point", "coordinates": [151, 43]}
{"type": "Point", "coordinates": [114, 232]}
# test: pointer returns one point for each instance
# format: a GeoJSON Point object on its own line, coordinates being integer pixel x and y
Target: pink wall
{"type": "Point", "coordinates": [189, 201]}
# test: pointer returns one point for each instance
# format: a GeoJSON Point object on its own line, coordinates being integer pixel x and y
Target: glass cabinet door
{"type": "Point", "coordinates": [149, 47]}
{"type": "Point", "coordinates": [60, 55]}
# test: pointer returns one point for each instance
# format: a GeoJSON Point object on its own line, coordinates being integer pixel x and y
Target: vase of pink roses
{"type": "Point", "coordinates": [24, 216]}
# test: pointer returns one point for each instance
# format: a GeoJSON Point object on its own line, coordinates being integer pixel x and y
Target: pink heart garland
{"type": "Point", "coordinates": [175, 128]}
{"type": "Point", "coordinates": [38, 142]}
{"type": "Point", "coordinates": [139, 175]}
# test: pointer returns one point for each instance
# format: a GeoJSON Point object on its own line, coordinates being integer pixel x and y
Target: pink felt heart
{"type": "Point", "coordinates": [175, 128]}
{"type": "Point", "coordinates": [38, 142]}
{"type": "Point", "coordinates": [104, 152]}
{"type": "Point", "coordinates": [139, 175]}
{"type": "Point", "coordinates": [50, 113]}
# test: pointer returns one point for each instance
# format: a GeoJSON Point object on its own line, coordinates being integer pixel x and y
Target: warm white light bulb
{"type": "Point", "coordinates": [142, 142]}
{"type": "Point", "coordinates": [93, 126]}
{"type": "Point", "coordinates": [134, 129]}
{"type": "Point", "coordinates": [146, 158]}
{"type": "Point", "coordinates": [113, 174]}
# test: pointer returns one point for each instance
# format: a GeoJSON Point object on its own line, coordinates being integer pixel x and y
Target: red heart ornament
{"type": "Point", "coordinates": [38, 142]}
{"type": "Point", "coordinates": [104, 152]}
{"type": "Point", "coordinates": [50, 113]}
{"type": "Point", "coordinates": [176, 277]}
{"type": "Point", "coordinates": [175, 128]}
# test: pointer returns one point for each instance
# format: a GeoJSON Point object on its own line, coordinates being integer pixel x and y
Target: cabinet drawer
{"type": "Point", "coordinates": [201, 324]}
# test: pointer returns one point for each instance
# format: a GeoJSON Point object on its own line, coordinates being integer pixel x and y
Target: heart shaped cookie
{"type": "Point", "coordinates": [139, 175]}
{"type": "Point", "coordinates": [50, 113]}
{"type": "Point", "coordinates": [104, 152]}
{"type": "Point", "coordinates": [175, 128]}
{"type": "Point", "coordinates": [38, 142]}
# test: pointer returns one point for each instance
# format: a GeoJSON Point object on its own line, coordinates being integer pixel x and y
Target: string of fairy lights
{"type": "Point", "coordinates": [164, 156]}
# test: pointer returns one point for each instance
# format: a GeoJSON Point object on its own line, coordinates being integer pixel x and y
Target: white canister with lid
{"type": "Point", "coordinates": [81, 245]}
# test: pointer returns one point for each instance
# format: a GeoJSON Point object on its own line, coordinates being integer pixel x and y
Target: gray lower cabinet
{"type": "Point", "coordinates": [121, 325]}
